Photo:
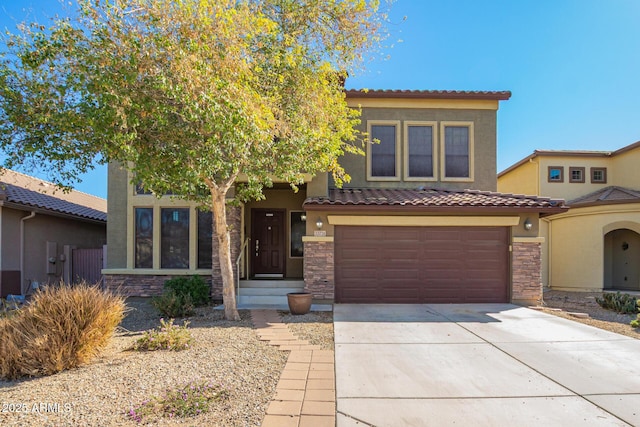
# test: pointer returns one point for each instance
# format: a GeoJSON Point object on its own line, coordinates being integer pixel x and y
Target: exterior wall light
{"type": "Point", "coordinates": [528, 225]}
{"type": "Point", "coordinates": [319, 223]}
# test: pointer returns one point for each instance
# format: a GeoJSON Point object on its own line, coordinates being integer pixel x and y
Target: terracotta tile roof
{"type": "Point", "coordinates": [434, 198]}
{"type": "Point", "coordinates": [35, 193]}
{"type": "Point", "coordinates": [607, 196]}
{"type": "Point", "coordinates": [429, 94]}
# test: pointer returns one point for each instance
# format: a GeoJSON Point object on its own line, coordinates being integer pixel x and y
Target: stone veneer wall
{"type": "Point", "coordinates": [142, 285]}
{"type": "Point", "coordinates": [139, 285]}
{"type": "Point", "coordinates": [526, 273]}
{"type": "Point", "coordinates": [318, 270]}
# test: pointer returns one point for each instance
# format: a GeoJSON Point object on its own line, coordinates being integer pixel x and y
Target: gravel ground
{"type": "Point", "coordinates": [99, 394]}
{"type": "Point", "coordinates": [315, 327]}
{"type": "Point", "coordinates": [585, 302]}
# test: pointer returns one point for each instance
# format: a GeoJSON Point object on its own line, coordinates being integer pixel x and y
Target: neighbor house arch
{"type": "Point", "coordinates": [622, 256]}
{"type": "Point", "coordinates": [629, 225]}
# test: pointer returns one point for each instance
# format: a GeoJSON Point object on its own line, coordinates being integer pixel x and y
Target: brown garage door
{"type": "Point", "coordinates": [421, 264]}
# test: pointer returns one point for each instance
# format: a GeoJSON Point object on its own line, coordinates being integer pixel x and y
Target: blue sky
{"type": "Point", "coordinates": [573, 66]}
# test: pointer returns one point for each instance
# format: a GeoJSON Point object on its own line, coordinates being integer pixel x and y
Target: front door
{"type": "Point", "coordinates": [268, 245]}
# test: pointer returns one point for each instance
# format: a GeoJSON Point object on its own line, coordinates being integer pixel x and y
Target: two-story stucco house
{"type": "Point", "coordinates": [420, 221]}
{"type": "Point", "coordinates": [596, 244]}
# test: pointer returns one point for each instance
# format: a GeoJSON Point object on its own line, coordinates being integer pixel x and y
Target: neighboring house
{"type": "Point", "coordinates": [596, 244]}
{"type": "Point", "coordinates": [40, 226]}
{"type": "Point", "coordinates": [419, 222]}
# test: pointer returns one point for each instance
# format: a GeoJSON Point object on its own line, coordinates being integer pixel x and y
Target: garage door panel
{"type": "Point", "coordinates": [399, 275]}
{"type": "Point", "coordinates": [421, 264]}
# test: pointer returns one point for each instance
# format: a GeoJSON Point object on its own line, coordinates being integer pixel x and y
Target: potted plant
{"type": "Point", "coordinates": [299, 302]}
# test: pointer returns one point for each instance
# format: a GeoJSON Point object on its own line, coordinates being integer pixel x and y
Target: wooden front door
{"type": "Point", "coordinates": [268, 244]}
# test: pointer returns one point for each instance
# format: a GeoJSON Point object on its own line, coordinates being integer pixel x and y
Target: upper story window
{"type": "Point", "coordinates": [598, 175]}
{"type": "Point", "coordinates": [576, 174]}
{"type": "Point", "coordinates": [419, 161]}
{"type": "Point", "coordinates": [555, 174]}
{"type": "Point", "coordinates": [383, 153]}
{"type": "Point", "coordinates": [457, 151]}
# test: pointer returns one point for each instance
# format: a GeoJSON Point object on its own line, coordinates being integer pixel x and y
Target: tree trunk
{"type": "Point", "coordinates": [218, 207]}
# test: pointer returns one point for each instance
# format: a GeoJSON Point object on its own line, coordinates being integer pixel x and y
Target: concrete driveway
{"type": "Point", "coordinates": [480, 365]}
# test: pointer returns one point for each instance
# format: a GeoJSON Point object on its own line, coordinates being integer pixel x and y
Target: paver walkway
{"type": "Point", "coordinates": [306, 393]}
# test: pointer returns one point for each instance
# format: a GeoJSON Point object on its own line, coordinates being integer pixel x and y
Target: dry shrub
{"type": "Point", "coordinates": [61, 328]}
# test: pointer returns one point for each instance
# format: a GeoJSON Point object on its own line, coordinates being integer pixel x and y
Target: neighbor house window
{"type": "Point", "coordinates": [205, 234]}
{"type": "Point", "coordinates": [555, 174]}
{"type": "Point", "coordinates": [576, 175]}
{"type": "Point", "coordinates": [598, 175]}
{"type": "Point", "coordinates": [457, 151]}
{"type": "Point", "coordinates": [419, 161]}
{"type": "Point", "coordinates": [143, 237]}
{"type": "Point", "coordinates": [298, 224]}
{"type": "Point", "coordinates": [174, 238]}
{"type": "Point", "coordinates": [383, 151]}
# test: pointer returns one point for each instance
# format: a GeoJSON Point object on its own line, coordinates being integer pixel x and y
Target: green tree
{"type": "Point", "coordinates": [188, 95]}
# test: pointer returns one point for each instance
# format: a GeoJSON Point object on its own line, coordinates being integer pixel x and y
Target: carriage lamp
{"type": "Point", "coordinates": [319, 223]}
{"type": "Point", "coordinates": [527, 225]}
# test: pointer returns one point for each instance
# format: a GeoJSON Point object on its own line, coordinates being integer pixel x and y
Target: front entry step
{"type": "Point", "coordinates": [267, 292]}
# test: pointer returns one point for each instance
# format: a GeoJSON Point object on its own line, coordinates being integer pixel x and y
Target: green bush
{"type": "Point", "coordinates": [186, 401]}
{"type": "Point", "coordinates": [193, 286]}
{"type": "Point", "coordinates": [620, 303]}
{"type": "Point", "coordinates": [636, 322]}
{"type": "Point", "coordinates": [167, 337]}
{"type": "Point", "coordinates": [61, 328]}
{"type": "Point", "coordinates": [172, 304]}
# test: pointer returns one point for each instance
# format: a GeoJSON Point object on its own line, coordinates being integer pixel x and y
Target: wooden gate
{"type": "Point", "coordinates": [86, 264]}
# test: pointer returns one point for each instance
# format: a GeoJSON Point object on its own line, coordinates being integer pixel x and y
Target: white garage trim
{"type": "Point", "coordinates": [433, 221]}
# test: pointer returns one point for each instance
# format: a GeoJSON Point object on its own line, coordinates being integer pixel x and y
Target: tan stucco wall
{"type": "Point", "coordinates": [625, 170]}
{"type": "Point", "coordinates": [117, 190]}
{"type": "Point", "coordinates": [568, 190]}
{"type": "Point", "coordinates": [42, 229]}
{"type": "Point", "coordinates": [279, 199]}
{"type": "Point", "coordinates": [544, 249]}
{"type": "Point", "coordinates": [11, 238]}
{"type": "Point", "coordinates": [423, 219]}
{"type": "Point", "coordinates": [484, 147]}
{"type": "Point", "coordinates": [522, 180]}
{"type": "Point", "coordinates": [576, 244]}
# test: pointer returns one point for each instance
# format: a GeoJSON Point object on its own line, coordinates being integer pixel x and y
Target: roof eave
{"type": "Point", "coordinates": [407, 94]}
{"type": "Point", "coordinates": [433, 209]}
{"type": "Point", "coordinates": [604, 203]}
{"type": "Point", "coordinates": [43, 211]}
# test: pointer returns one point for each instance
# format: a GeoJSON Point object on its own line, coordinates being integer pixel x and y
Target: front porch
{"type": "Point", "coordinates": [271, 294]}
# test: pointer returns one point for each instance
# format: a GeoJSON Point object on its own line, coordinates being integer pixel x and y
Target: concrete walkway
{"type": "Point", "coordinates": [305, 395]}
{"type": "Point", "coordinates": [480, 365]}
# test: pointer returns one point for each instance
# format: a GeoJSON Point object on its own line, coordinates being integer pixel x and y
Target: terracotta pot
{"type": "Point", "coordinates": [299, 302]}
